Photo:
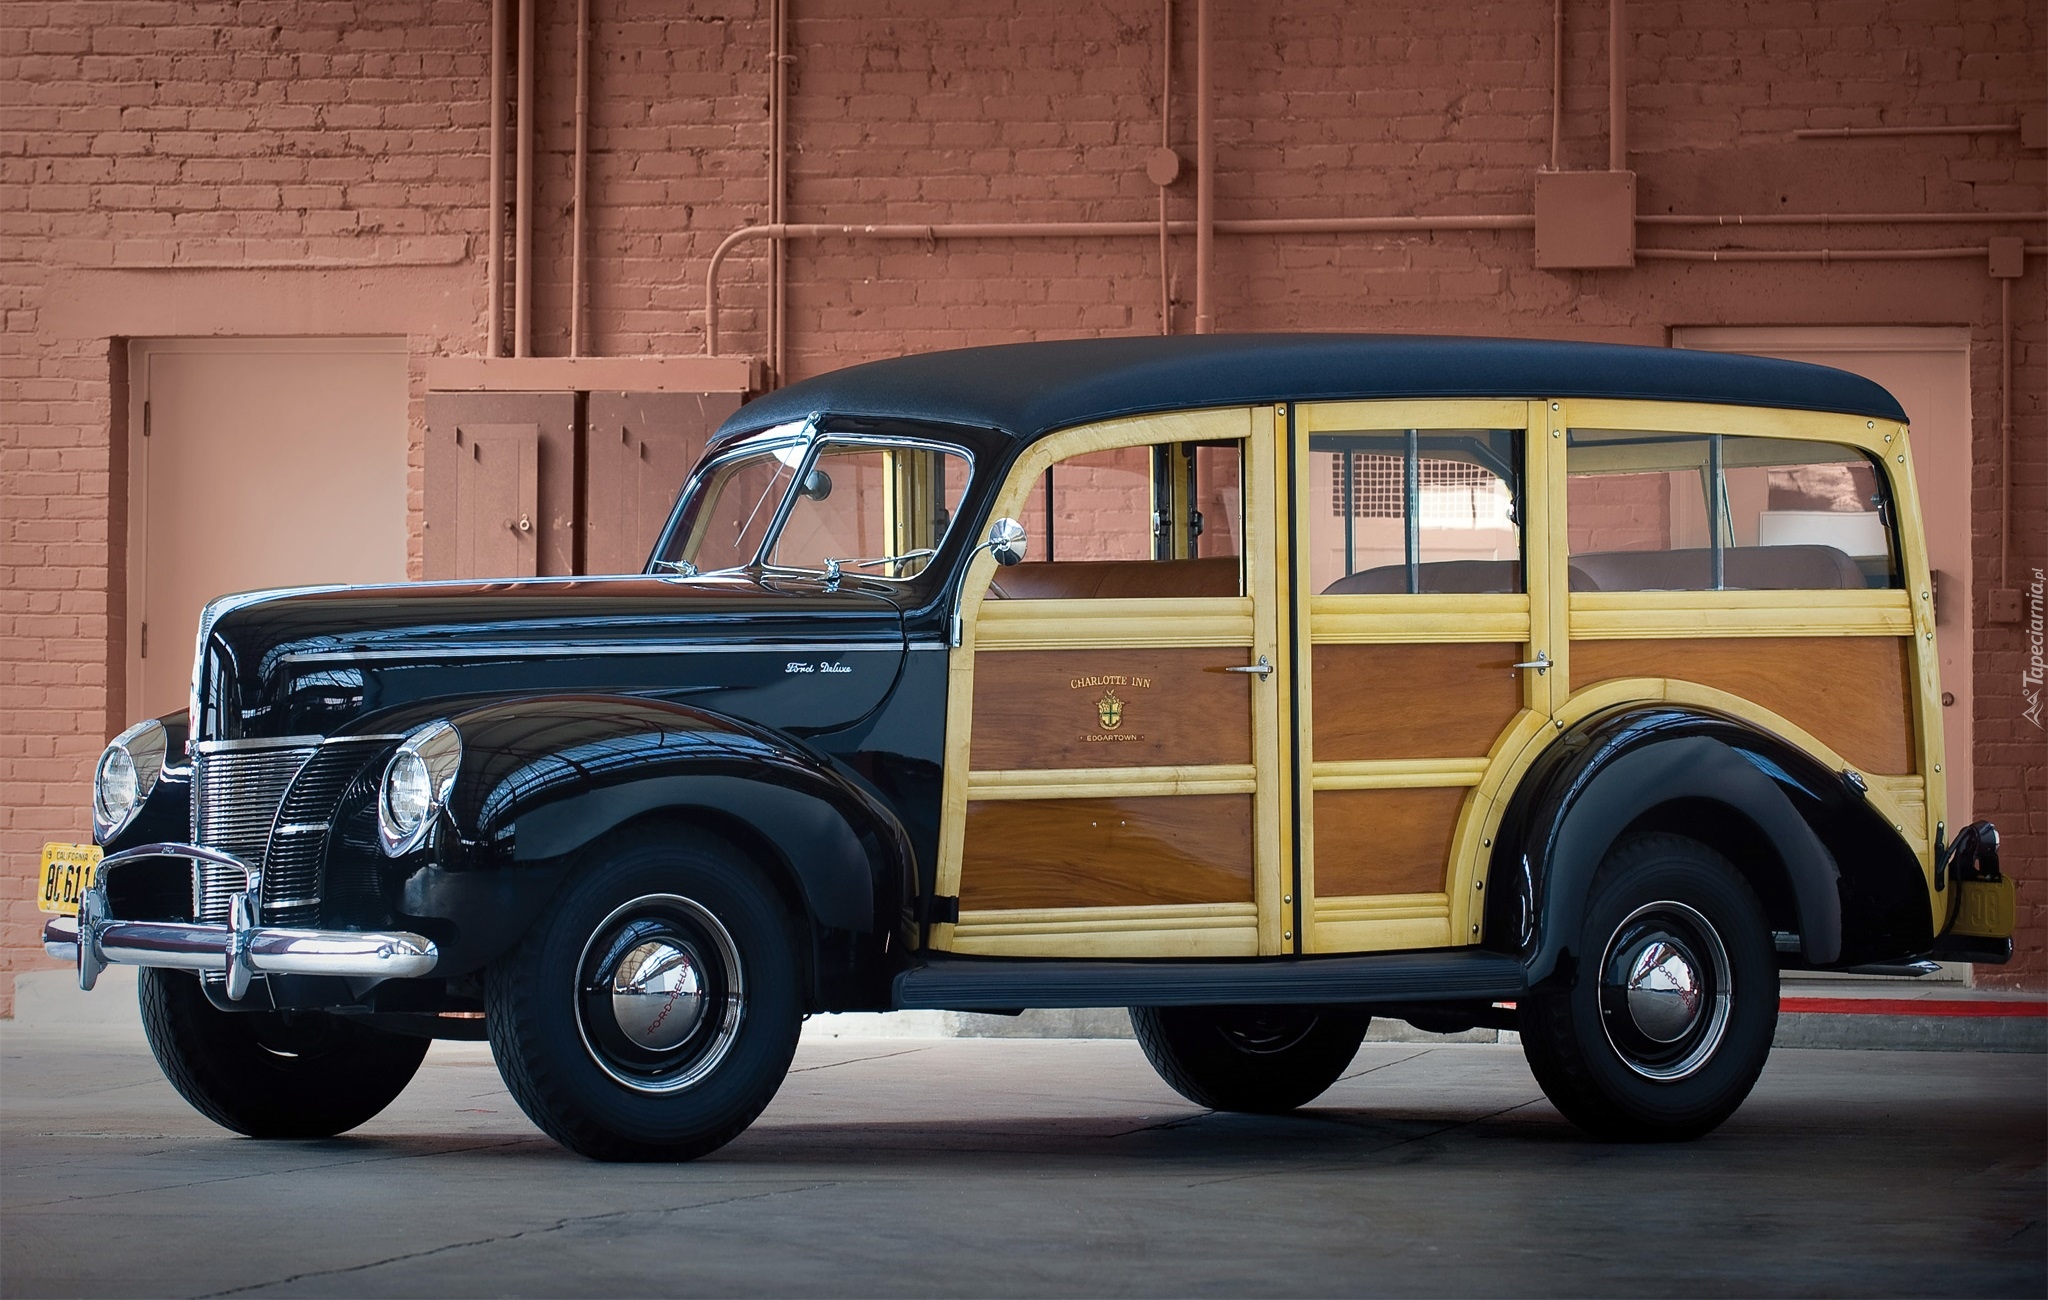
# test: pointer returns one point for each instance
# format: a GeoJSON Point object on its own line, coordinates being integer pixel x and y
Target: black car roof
{"type": "Point", "coordinates": [1026, 389]}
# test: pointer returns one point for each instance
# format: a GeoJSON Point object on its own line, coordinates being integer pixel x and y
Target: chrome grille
{"type": "Point", "coordinates": [292, 885]}
{"type": "Point", "coordinates": [236, 789]}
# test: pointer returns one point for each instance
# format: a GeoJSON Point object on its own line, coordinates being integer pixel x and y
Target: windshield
{"type": "Point", "coordinates": [875, 508]}
{"type": "Point", "coordinates": [731, 510]}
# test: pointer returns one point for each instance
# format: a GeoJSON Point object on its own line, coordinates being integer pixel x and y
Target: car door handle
{"type": "Point", "coordinates": [1541, 663]}
{"type": "Point", "coordinates": [1263, 668]}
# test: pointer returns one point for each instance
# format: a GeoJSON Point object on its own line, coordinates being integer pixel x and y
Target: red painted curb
{"type": "Point", "coordinates": [1909, 1007]}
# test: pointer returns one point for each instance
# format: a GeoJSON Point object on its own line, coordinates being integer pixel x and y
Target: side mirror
{"type": "Point", "coordinates": [1006, 541]}
{"type": "Point", "coordinates": [817, 485]}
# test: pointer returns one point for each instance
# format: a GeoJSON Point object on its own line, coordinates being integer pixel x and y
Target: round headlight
{"type": "Point", "coordinates": [127, 772]}
{"type": "Point", "coordinates": [408, 792]}
{"type": "Point", "coordinates": [416, 784]}
{"type": "Point", "coordinates": [115, 788]}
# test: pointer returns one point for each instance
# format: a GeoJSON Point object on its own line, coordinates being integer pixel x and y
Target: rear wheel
{"type": "Point", "coordinates": [651, 1013]}
{"type": "Point", "coordinates": [272, 1074]}
{"type": "Point", "coordinates": [1669, 1020]}
{"type": "Point", "coordinates": [1260, 1059]}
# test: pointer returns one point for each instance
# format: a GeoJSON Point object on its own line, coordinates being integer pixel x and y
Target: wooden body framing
{"type": "Point", "coordinates": [1349, 802]}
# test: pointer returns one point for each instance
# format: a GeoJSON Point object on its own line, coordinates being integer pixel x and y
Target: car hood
{"type": "Point", "coordinates": [795, 654]}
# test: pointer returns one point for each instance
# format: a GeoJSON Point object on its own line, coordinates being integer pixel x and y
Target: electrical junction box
{"type": "Point", "coordinates": [1585, 220]}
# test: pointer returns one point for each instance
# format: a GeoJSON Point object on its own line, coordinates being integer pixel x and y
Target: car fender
{"type": "Point", "coordinates": [542, 778]}
{"type": "Point", "coordinates": [1612, 771]}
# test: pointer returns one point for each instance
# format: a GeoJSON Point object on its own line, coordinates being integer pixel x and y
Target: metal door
{"type": "Point", "coordinates": [254, 463]}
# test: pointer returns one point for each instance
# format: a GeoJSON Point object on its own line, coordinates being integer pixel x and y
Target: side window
{"type": "Point", "coordinates": [1688, 512]}
{"type": "Point", "coordinates": [1415, 510]}
{"type": "Point", "coordinates": [1134, 522]}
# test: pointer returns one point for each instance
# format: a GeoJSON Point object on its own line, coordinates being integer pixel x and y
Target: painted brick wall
{"type": "Point", "coordinates": [172, 167]}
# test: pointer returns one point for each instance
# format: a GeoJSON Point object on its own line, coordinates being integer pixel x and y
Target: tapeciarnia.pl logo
{"type": "Point", "coordinates": [2036, 668]}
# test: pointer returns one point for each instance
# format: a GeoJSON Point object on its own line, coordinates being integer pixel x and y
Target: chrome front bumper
{"type": "Point", "coordinates": [239, 950]}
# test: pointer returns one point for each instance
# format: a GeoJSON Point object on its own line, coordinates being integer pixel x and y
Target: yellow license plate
{"type": "Point", "coordinates": [67, 874]}
{"type": "Point", "coordinates": [1986, 909]}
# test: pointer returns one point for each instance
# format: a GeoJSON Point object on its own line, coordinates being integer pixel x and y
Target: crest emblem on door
{"type": "Point", "coordinates": [1109, 711]}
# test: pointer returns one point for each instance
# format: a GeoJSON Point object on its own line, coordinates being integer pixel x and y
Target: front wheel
{"type": "Point", "coordinates": [272, 1074]}
{"type": "Point", "coordinates": [1667, 1024]}
{"type": "Point", "coordinates": [1265, 1060]}
{"type": "Point", "coordinates": [652, 1012]}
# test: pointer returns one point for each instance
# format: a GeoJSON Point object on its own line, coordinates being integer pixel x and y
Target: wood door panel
{"type": "Point", "coordinates": [1823, 684]}
{"type": "Point", "coordinates": [1107, 852]}
{"type": "Point", "coordinates": [1384, 841]}
{"type": "Point", "coordinates": [1448, 700]}
{"type": "Point", "coordinates": [1036, 709]}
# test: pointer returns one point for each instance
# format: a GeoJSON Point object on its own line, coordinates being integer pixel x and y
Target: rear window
{"type": "Point", "coordinates": [1650, 511]}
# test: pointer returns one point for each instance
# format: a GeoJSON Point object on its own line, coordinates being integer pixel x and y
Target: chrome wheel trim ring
{"type": "Point", "coordinates": [707, 989]}
{"type": "Point", "coordinates": [1665, 991]}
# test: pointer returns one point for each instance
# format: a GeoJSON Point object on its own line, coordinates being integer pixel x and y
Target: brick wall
{"type": "Point", "coordinates": [171, 167]}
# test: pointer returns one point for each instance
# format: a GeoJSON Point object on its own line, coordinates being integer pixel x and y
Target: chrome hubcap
{"type": "Point", "coordinates": [1665, 991]}
{"type": "Point", "coordinates": [659, 993]}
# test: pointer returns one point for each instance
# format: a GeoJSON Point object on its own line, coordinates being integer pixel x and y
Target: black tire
{"type": "Point", "coordinates": [272, 1074]}
{"type": "Point", "coordinates": [1668, 1019]}
{"type": "Point", "coordinates": [652, 1011]}
{"type": "Point", "coordinates": [1265, 1060]}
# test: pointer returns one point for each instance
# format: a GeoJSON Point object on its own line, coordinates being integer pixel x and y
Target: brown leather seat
{"type": "Point", "coordinates": [1118, 579]}
{"type": "Point", "coordinates": [1452, 577]}
{"type": "Point", "coordinates": [1745, 568]}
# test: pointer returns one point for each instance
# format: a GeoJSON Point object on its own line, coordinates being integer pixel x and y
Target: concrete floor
{"type": "Point", "coordinates": [1016, 1167]}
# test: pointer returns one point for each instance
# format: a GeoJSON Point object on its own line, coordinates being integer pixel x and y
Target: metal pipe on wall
{"type": "Point", "coordinates": [1822, 255]}
{"type": "Point", "coordinates": [1166, 143]}
{"type": "Point", "coordinates": [522, 211]}
{"type": "Point", "coordinates": [2005, 430]}
{"type": "Point", "coordinates": [1617, 86]}
{"type": "Point", "coordinates": [1271, 226]}
{"type": "Point", "coordinates": [494, 261]}
{"type": "Point", "coordinates": [1843, 219]}
{"type": "Point", "coordinates": [1205, 175]}
{"type": "Point", "coordinates": [1556, 81]}
{"type": "Point", "coordinates": [1839, 132]}
{"type": "Point", "coordinates": [581, 180]}
{"type": "Point", "coordinates": [1076, 230]}
{"type": "Point", "coordinates": [778, 183]}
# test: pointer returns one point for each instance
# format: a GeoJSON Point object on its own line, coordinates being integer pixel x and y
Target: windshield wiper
{"type": "Point", "coordinates": [832, 567]}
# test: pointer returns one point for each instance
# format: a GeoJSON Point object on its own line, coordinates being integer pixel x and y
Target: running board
{"type": "Point", "coordinates": [948, 983]}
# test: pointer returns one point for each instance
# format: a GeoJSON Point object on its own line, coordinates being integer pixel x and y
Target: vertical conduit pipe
{"type": "Point", "coordinates": [1617, 86]}
{"type": "Point", "coordinates": [2004, 431]}
{"type": "Point", "coordinates": [522, 211]}
{"type": "Point", "coordinates": [1166, 142]}
{"type": "Point", "coordinates": [1205, 174]}
{"type": "Point", "coordinates": [778, 183]}
{"type": "Point", "coordinates": [1556, 81]}
{"type": "Point", "coordinates": [582, 173]}
{"type": "Point", "coordinates": [494, 261]}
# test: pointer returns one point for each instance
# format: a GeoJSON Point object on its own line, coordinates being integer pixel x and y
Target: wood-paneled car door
{"type": "Point", "coordinates": [1113, 771]}
{"type": "Point", "coordinates": [1421, 624]}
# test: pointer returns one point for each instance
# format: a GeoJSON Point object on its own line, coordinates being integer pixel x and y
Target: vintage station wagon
{"type": "Point", "coordinates": [1258, 684]}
